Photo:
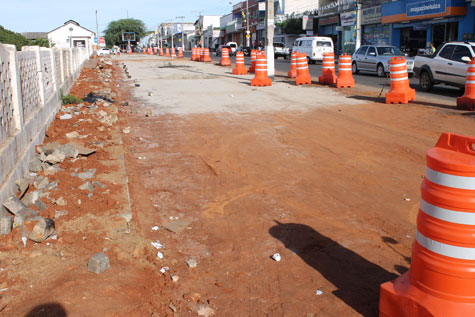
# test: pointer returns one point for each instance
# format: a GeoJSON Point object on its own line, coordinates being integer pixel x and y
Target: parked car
{"type": "Point", "coordinates": [233, 46]}
{"type": "Point", "coordinates": [375, 58]}
{"type": "Point", "coordinates": [313, 47]}
{"type": "Point", "coordinates": [103, 51]}
{"type": "Point", "coordinates": [220, 48]}
{"type": "Point", "coordinates": [281, 51]}
{"type": "Point", "coordinates": [448, 65]}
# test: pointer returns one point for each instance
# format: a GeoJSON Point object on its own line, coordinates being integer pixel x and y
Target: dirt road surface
{"type": "Point", "coordinates": [329, 179]}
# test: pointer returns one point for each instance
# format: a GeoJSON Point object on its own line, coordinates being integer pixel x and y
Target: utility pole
{"type": "Point", "coordinates": [172, 33]}
{"type": "Point", "coordinates": [359, 17]}
{"type": "Point", "coordinates": [97, 26]}
{"type": "Point", "coordinates": [270, 37]}
{"type": "Point", "coordinates": [182, 31]}
{"type": "Point", "coordinates": [248, 33]}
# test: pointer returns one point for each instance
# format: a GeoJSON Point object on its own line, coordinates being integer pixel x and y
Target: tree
{"type": "Point", "coordinates": [113, 33]}
{"type": "Point", "coordinates": [9, 37]}
{"type": "Point", "coordinates": [292, 25]}
{"type": "Point", "coordinates": [41, 42]}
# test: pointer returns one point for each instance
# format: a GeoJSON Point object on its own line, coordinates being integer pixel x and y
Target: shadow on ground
{"type": "Point", "coordinates": [48, 310]}
{"type": "Point", "coordinates": [356, 278]}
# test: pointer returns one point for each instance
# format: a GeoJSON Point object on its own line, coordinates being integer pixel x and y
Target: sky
{"type": "Point", "coordinates": [46, 15]}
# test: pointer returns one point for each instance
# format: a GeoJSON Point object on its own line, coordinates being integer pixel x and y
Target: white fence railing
{"type": "Point", "coordinates": [30, 85]}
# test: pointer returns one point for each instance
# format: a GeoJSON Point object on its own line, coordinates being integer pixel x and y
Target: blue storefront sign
{"type": "Point", "coordinates": [425, 8]}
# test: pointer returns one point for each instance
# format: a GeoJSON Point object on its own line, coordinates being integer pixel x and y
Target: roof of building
{"type": "Point", "coordinates": [35, 35]}
{"type": "Point", "coordinates": [71, 22]}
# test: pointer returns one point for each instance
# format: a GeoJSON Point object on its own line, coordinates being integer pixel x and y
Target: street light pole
{"type": "Point", "coordinates": [248, 33]}
{"type": "Point", "coordinates": [270, 37]}
{"type": "Point", "coordinates": [182, 31]}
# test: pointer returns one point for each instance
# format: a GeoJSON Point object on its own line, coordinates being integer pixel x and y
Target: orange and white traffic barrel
{"type": "Point", "coordinates": [252, 69]}
{"type": "Point", "coordinates": [400, 91]}
{"type": "Point", "coordinates": [155, 50]}
{"type": "Point", "coordinates": [328, 76]}
{"type": "Point", "coordinates": [167, 52]}
{"type": "Point", "coordinates": [293, 66]}
{"type": "Point", "coordinates": [173, 52]}
{"type": "Point", "coordinates": [261, 79]}
{"type": "Point", "coordinates": [240, 69]}
{"type": "Point", "coordinates": [303, 74]}
{"type": "Point", "coordinates": [206, 57]}
{"type": "Point", "coordinates": [467, 101]}
{"type": "Point", "coordinates": [441, 279]}
{"type": "Point", "coordinates": [345, 76]}
{"type": "Point", "coordinates": [225, 61]}
{"type": "Point", "coordinates": [160, 51]}
{"type": "Point", "coordinates": [180, 52]}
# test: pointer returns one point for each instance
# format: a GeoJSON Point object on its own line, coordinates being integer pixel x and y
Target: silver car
{"type": "Point", "coordinates": [375, 58]}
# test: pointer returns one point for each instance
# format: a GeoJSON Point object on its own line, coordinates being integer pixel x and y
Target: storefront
{"type": "Point", "coordinates": [328, 26]}
{"type": "Point", "coordinates": [373, 32]}
{"type": "Point", "coordinates": [415, 23]}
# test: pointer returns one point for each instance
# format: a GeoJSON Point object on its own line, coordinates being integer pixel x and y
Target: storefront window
{"type": "Point", "coordinates": [376, 35]}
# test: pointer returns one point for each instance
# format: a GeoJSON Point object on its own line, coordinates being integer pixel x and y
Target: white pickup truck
{"type": "Point", "coordinates": [448, 65]}
{"type": "Point", "coordinates": [281, 51]}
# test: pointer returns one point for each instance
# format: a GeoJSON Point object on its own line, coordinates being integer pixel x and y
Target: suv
{"type": "Point", "coordinates": [375, 58]}
{"type": "Point", "coordinates": [448, 65]}
{"type": "Point", "coordinates": [281, 51]}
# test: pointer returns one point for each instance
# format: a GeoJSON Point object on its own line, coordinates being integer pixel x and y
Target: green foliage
{"type": "Point", "coordinates": [293, 25]}
{"type": "Point", "coordinates": [113, 33]}
{"type": "Point", "coordinates": [9, 37]}
{"type": "Point", "coordinates": [70, 99]}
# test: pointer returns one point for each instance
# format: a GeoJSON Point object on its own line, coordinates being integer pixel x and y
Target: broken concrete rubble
{"type": "Point", "coordinates": [6, 223]}
{"type": "Point", "coordinates": [14, 205]}
{"type": "Point", "coordinates": [37, 228]}
{"type": "Point", "coordinates": [98, 263]}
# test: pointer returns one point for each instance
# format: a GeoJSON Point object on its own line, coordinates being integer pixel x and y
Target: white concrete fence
{"type": "Point", "coordinates": [30, 84]}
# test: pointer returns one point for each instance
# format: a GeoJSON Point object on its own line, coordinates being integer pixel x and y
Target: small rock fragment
{"type": "Point", "coordinates": [6, 223]}
{"type": "Point", "coordinates": [55, 158]}
{"type": "Point", "coordinates": [276, 257]}
{"type": "Point", "coordinates": [175, 278]}
{"type": "Point", "coordinates": [205, 311]}
{"type": "Point", "coordinates": [30, 198]}
{"type": "Point", "coordinates": [99, 184]}
{"type": "Point", "coordinates": [41, 205]}
{"type": "Point", "coordinates": [172, 307]}
{"type": "Point", "coordinates": [41, 182]}
{"type": "Point", "coordinates": [60, 213]}
{"type": "Point", "coordinates": [98, 263]}
{"type": "Point", "coordinates": [73, 135]}
{"type": "Point", "coordinates": [126, 130]}
{"type": "Point", "coordinates": [68, 150]}
{"type": "Point", "coordinates": [60, 201]}
{"type": "Point", "coordinates": [13, 204]}
{"type": "Point", "coordinates": [84, 151]}
{"type": "Point", "coordinates": [191, 297]}
{"type": "Point", "coordinates": [22, 185]}
{"type": "Point", "coordinates": [35, 165]}
{"type": "Point", "coordinates": [157, 245]}
{"type": "Point", "coordinates": [160, 255]}
{"type": "Point", "coordinates": [86, 174]}
{"type": "Point", "coordinates": [319, 292]}
{"type": "Point", "coordinates": [191, 263]}
{"type": "Point", "coordinates": [177, 226]}
{"type": "Point", "coordinates": [22, 215]}
{"type": "Point", "coordinates": [49, 148]}
{"type": "Point", "coordinates": [87, 186]}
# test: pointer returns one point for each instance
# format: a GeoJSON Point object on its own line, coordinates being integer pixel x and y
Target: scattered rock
{"type": "Point", "coordinates": [38, 229]}
{"type": "Point", "coordinates": [65, 117]}
{"type": "Point", "coordinates": [55, 158]}
{"type": "Point", "coordinates": [160, 255]}
{"type": "Point", "coordinates": [22, 185]}
{"type": "Point", "coordinates": [73, 135]}
{"type": "Point", "coordinates": [125, 103]}
{"type": "Point", "coordinates": [49, 148]}
{"type": "Point", "coordinates": [126, 130]}
{"type": "Point", "coordinates": [60, 213]}
{"type": "Point", "coordinates": [276, 257]}
{"type": "Point", "coordinates": [30, 198]}
{"type": "Point", "coordinates": [98, 184]}
{"type": "Point", "coordinates": [6, 223]}
{"type": "Point", "coordinates": [35, 165]}
{"type": "Point", "coordinates": [60, 201]}
{"type": "Point", "coordinates": [175, 278]}
{"type": "Point", "coordinates": [172, 307]}
{"type": "Point", "coordinates": [87, 174]}
{"type": "Point", "coordinates": [191, 297]}
{"type": "Point", "coordinates": [87, 186]}
{"type": "Point", "coordinates": [68, 150]}
{"type": "Point", "coordinates": [319, 292]}
{"type": "Point", "coordinates": [191, 263]}
{"type": "Point", "coordinates": [148, 113]}
{"type": "Point", "coordinates": [52, 185]}
{"type": "Point", "coordinates": [41, 182]}
{"type": "Point", "coordinates": [84, 151]}
{"type": "Point", "coordinates": [101, 128]}
{"type": "Point", "coordinates": [50, 169]}
{"type": "Point", "coordinates": [177, 226]}
{"type": "Point", "coordinates": [14, 205]}
{"type": "Point", "coordinates": [41, 205]}
{"type": "Point", "coordinates": [22, 215]}
{"type": "Point", "coordinates": [205, 311]}
{"type": "Point", "coordinates": [98, 263]}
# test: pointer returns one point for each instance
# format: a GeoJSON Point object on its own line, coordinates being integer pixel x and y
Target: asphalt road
{"type": "Point", "coordinates": [444, 94]}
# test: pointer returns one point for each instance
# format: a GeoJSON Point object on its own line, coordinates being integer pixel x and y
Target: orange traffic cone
{"type": "Point", "coordinates": [293, 65]}
{"type": "Point", "coordinates": [345, 76]}
{"type": "Point", "coordinates": [240, 69]}
{"type": "Point", "coordinates": [167, 52]}
{"type": "Point", "coordinates": [193, 53]}
{"type": "Point", "coordinates": [173, 52]}
{"type": "Point", "coordinates": [400, 91]}
{"type": "Point", "coordinates": [328, 70]}
{"type": "Point", "coordinates": [225, 61]}
{"type": "Point", "coordinates": [467, 101]}
{"type": "Point", "coordinates": [440, 281]}
{"type": "Point", "coordinates": [160, 52]}
{"type": "Point", "coordinates": [261, 78]}
{"type": "Point", "coordinates": [303, 74]}
{"type": "Point", "coordinates": [206, 57]}
{"type": "Point", "coordinates": [252, 69]}
{"type": "Point", "coordinates": [202, 54]}
{"type": "Point", "coordinates": [180, 52]}
{"type": "Point", "coordinates": [149, 51]}
{"type": "Point", "coordinates": [143, 50]}
{"type": "Point", "coordinates": [155, 50]}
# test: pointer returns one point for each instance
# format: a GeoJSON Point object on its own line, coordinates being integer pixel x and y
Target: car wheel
{"type": "Point", "coordinates": [380, 70]}
{"type": "Point", "coordinates": [354, 68]}
{"type": "Point", "coordinates": [426, 81]}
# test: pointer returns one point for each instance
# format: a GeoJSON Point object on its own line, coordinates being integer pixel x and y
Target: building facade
{"type": "Point", "coordinates": [71, 34]}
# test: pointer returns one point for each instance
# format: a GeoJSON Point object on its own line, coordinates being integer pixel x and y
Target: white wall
{"type": "Point", "coordinates": [288, 7]}
{"type": "Point", "coordinates": [211, 20]}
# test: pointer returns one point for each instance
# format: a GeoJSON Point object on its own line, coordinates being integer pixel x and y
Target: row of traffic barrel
{"type": "Point", "coordinates": [168, 52]}
{"type": "Point", "coordinates": [399, 93]}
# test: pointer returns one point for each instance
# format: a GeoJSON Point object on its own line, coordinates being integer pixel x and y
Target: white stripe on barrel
{"type": "Point", "coordinates": [448, 180]}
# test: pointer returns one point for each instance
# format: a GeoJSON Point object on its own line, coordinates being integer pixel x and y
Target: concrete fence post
{"type": "Point", "coordinates": [41, 86]}
{"type": "Point", "coordinates": [15, 85]}
{"type": "Point", "coordinates": [53, 69]}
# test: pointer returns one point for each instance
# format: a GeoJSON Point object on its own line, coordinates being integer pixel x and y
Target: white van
{"type": "Point", "coordinates": [313, 46]}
